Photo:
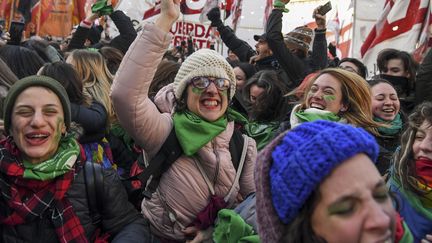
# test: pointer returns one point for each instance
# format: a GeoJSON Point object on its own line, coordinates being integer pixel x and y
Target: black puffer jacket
{"type": "Point", "coordinates": [119, 218]}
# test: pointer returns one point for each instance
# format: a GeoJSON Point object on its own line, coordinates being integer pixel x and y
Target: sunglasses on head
{"type": "Point", "coordinates": [203, 82]}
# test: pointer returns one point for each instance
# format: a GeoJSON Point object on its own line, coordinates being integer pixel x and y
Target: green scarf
{"type": "Point", "coordinates": [231, 228]}
{"type": "Point", "coordinates": [263, 133]}
{"type": "Point", "coordinates": [193, 132]}
{"type": "Point", "coordinates": [118, 131]}
{"type": "Point", "coordinates": [62, 162]}
{"type": "Point", "coordinates": [313, 114]}
{"type": "Point", "coordinates": [395, 125]}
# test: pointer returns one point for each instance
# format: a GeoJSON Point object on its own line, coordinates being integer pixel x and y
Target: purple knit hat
{"type": "Point", "coordinates": [293, 165]}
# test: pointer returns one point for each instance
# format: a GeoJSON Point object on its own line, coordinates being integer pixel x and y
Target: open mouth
{"type": "Point", "coordinates": [317, 106]}
{"type": "Point", "coordinates": [36, 138]}
{"type": "Point", "coordinates": [210, 104]}
{"type": "Point", "coordinates": [389, 110]}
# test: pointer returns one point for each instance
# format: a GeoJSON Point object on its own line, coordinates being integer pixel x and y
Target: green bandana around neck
{"type": "Point", "coordinates": [193, 132]}
{"type": "Point", "coordinates": [62, 162]}
{"type": "Point", "coordinates": [313, 114]}
{"type": "Point", "coordinates": [395, 125]}
{"type": "Point", "coordinates": [263, 133]}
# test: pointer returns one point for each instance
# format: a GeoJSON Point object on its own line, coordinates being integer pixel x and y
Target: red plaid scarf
{"type": "Point", "coordinates": [42, 195]}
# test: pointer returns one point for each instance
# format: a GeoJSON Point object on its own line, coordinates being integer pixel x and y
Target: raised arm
{"type": "Point", "coordinates": [240, 47]}
{"type": "Point", "coordinates": [319, 58]}
{"type": "Point", "coordinates": [291, 64]}
{"type": "Point", "coordinates": [135, 111]}
{"type": "Point", "coordinates": [127, 32]}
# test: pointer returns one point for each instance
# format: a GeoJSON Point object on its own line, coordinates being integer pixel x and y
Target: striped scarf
{"type": "Point", "coordinates": [42, 195]}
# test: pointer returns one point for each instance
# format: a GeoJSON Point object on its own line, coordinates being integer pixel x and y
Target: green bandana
{"type": "Point", "coordinates": [64, 159]}
{"type": "Point", "coordinates": [395, 125]}
{"type": "Point", "coordinates": [193, 132]}
{"type": "Point", "coordinates": [280, 5]}
{"type": "Point", "coordinates": [230, 227]}
{"type": "Point", "coordinates": [263, 133]}
{"type": "Point", "coordinates": [101, 8]}
{"type": "Point", "coordinates": [313, 114]}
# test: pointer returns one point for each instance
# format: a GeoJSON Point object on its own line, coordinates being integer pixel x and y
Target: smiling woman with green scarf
{"type": "Point", "coordinates": [204, 125]}
{"type": "Point", "coordinates": [386, 110]}
{"type": "Point", "coordinates": [336, 95]}
{"type": "Point", "coordinates": [43, 188]}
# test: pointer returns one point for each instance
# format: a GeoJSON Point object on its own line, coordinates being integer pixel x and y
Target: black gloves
{"type": "Point", "coordinates": [214, 16]}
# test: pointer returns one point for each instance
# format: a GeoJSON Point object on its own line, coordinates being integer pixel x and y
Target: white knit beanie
{"type": "Point", "coordinates": [204, 62]}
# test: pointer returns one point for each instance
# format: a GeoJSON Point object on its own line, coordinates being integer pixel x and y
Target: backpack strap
{"type": "Point", "coordinates": [235, 146]}
{"type": "Point", "coordinates": [94, 183]}
{"type": "Point", "coordinates": [240, 167]}
{"type": "Point", "coordinates": [168, 153]}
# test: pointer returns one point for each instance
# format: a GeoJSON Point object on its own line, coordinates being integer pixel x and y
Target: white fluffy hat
{"type": "Point", "coordinates": [204, 62]}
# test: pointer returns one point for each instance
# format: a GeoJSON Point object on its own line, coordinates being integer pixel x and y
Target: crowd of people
{"type": "Point", "coordinates": [129, 141]}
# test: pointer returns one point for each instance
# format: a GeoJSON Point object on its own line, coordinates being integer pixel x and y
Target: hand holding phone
{"type": "Point", "coordinates": [324, 9]}
{"type": "Point", "coordinates": [16, 32]}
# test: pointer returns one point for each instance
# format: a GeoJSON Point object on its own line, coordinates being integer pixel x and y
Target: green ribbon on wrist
{"type": "Point", "coordinates": [101, 8]}
{"type": "Point", "coordinates": [280, 5]}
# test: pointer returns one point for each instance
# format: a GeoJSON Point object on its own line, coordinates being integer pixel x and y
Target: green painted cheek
{"type": "Point", "coordinates": [58, 134]}
{"type": "Point", "coordinates": [197, 91]}
{"type": "Point", "coordinates": [225, 92]}
{"type": "Point", "coordinates": [329, 97]}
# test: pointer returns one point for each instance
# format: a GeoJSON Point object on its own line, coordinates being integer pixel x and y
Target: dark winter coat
{"type": "Point", "coordinates": [119, 218]}
{"type": "Point", "coordinates": [424, 80]}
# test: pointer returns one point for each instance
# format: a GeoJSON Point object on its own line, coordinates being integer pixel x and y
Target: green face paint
{"type": "Point", "coordinates": [197, 91]}
{"type": "Point", "coordinates": [329, 97]}
{"type": "Point", "coordinates": [225, 92]}
{"type": "Point", "coordinates": [58, 134]}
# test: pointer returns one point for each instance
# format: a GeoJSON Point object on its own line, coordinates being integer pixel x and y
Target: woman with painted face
{"type": "Point", "coordinates": [42, 181]}
{"type": "Point", "coordinates": [203, 124]}
{"type": "Point", "coordinates": [336, 95]}
{"type": "Point", "coordinates": [318, 183]}
{"type": "Point", "coordinates": [411, 175]}
{"type": "Point", "coordinates": [386, 110]}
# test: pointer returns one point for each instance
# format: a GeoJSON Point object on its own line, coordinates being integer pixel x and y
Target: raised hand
{"type": "Point", "coordinates": [170, 11]}
{"type": "Point", "coordinates": [320, 20]}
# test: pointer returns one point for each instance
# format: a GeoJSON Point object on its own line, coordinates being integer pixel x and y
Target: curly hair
{"type": "Point", "coordinates": [404, 161]}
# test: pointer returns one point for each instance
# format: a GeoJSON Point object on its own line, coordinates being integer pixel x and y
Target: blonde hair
{"type": "Point", "coordinates": [96, 77]}
{"type": "Point", "coordinates": [356, 96]}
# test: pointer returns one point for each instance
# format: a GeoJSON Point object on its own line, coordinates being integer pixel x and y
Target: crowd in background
{"type": "Point", "coordinates": [128, 140]}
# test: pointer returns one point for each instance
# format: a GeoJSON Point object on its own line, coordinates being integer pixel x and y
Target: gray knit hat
{"type": "Point", "coordinates": [204, 62]}
{"type": "Point", "coordinates": [32, 81]}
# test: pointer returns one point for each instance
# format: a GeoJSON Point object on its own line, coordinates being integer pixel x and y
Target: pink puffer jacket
{"type": "Point", "coordinates": [182, 191]}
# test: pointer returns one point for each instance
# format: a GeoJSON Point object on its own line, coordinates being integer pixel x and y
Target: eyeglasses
{"type": "Point", "coordinates": [203, 82]}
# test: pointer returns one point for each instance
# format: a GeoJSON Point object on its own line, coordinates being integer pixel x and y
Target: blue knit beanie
{"type": "Point", "coordinates": [306, 155]}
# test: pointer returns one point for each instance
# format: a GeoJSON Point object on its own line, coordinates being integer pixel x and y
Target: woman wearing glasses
{"type": "Point", "coordinates": [203, 124]}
